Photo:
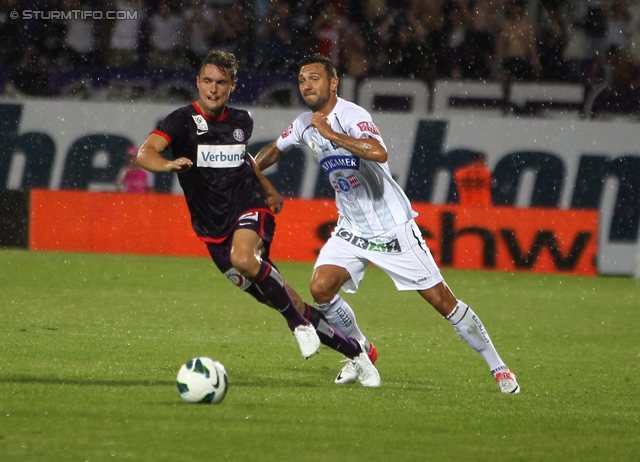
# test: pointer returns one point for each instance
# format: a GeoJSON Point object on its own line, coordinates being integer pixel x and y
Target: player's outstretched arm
{"type": "Point", "coordinates": [268, 155]}
{"type": "Point", "coordinates": [149, 157]}
{"type": "Point", "coordinates": [273, 196]}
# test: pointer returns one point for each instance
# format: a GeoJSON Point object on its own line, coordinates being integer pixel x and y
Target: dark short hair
{"type": "Point", "coordinates": [321, 59]}
{"type": "Point", "coordinates": [226, 62]}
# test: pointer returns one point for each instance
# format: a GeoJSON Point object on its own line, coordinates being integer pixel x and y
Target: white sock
{"type": "Point", "coordinates": [470, 328]}
{"type": "Point", "coordinates": [342, 317]}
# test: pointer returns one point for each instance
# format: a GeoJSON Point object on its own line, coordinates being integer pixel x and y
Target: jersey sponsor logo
{"type": "Point", "coordinates": [221, 156]}
{"type": "Point", "coordinates": [332, 163]}
{"type": "Point", "coordinates": [368, 127]}
{"type": "Point", "coordinates": [201, 125]}
{"type": "Point", "coordinates": [386, 247]}
{"type": "Point", "coordinates": [237, 279]}
{"type": "Point", "coordinates": [238, 134]}
{"type": "Point", "coordinates": [287, 132]}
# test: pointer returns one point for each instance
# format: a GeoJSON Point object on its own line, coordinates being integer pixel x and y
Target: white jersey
{"type": "Point", "coordinates": [370, 203]}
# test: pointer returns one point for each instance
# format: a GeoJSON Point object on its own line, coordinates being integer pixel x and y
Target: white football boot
{"type": "Point", "coordinates": [349, 374]}
{"type": "Point", "coordinates": [367, 373]}
{"type": "Point", "coordinates": [308, 340]}
{"type": "Point", "coordinates": [507, 382]}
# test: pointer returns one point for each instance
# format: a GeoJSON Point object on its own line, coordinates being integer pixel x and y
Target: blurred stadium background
{"type": "Point", "coordinates": [82, 80]}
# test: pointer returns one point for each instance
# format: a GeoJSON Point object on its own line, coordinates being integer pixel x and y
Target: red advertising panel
{"type": "Point", "coordinates": [143, 224]}
{"type": "Point", "coordinates": [510, 239]}
{"type": "Point", "coordinates": [495, 238]}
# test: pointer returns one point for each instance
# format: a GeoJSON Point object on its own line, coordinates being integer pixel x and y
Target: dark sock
{"type": "Point", "coordinates": [270, 283]}
{"type": "Point", "coordinates": [329, 335]}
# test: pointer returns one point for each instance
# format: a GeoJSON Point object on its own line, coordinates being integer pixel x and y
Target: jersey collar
{"type": "Point", "coordinates": [219, 119]}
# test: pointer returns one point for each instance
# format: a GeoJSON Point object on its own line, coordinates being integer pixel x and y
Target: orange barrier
{"type": "Point", "coordinates": [144, 224]}
{"type": "Point", "coordinates": [498, 238]}
{"type": "Point", "coordinates": [510, 239]}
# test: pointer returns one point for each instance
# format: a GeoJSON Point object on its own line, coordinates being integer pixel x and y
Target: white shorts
{"type": "Point", "coordinates": [402, 254]}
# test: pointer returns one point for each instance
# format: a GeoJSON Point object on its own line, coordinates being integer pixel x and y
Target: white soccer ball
{"type": "Point", "coordinates": [202, 380]}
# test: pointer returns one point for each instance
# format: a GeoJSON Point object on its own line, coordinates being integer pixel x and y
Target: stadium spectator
{"type": "Point", "coordinates": [406, 54]}
{"type": "Point", "coordinates": [377, 19]}
{"type": "Point", "coordinates": [618, 25]}
{"type": "Point", "coordinates": [474, 182]}
{"type": "Point", "coordinates": [134, 179]}
{"type": "Point", "coordinates": [595, 28]}
{"type": "Point", "coordinates": [620, 72]}
{"type": "Point", "coordinates": [44, 37]}
{"type": "Point", "coordinates": [201, 23]}
{"type": "Point", "coordinates": [12, 49]}
{"type": "Point", "coordinates": [124, 36]}
{"type": "Point", "coordinates": [481, 18]}
{"type": "Point", "coordinates": [457, 45]}
{"type": "Point", "coordinates": [428, 21]}
{"type": "Point", "coordinates": [80, 39]}
{"type": "Point", "coordinates": [328, 28]}
{"type": "Point", "coordinates": [357, 62]}
{"type": "Point", "coordinates": [165, 38]}
{"type": "Point", "coordinates": [278, 38]}
{"type": "Point", "coordinates": [375, 219]}
{"type": "Point", "coordinates": [517, 48]}
{"type": "Point", "coordinates": [233, 31]}
{"type": "Point", "coordinates": [552, 42]}
{"type": "Point", "coordinates": [232, 204]}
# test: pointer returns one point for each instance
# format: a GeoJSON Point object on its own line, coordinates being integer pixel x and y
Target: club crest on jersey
{"type": "Point", "coordinates": [343, 185]}
{"type": "Point", "coordinates": [332, 163]}
{"type": "Point", "coordinates": [366, 126]}
{"type": "Point", "coordinates": [238, 134]}
{"type": "Point", "coordinates": [201, 124]}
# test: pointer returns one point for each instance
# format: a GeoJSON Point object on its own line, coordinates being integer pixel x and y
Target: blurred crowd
{"type": "Point", "coordinates": [423, 39]}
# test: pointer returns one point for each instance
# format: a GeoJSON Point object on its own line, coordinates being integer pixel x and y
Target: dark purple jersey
{"type": "Point", "coordinates": [221, 185]}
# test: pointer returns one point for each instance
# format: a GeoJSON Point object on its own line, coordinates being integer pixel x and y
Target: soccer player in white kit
{"type": "Point", "coordinates": [376, 221]}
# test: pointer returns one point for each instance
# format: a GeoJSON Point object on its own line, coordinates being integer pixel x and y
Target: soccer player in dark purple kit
{"type": "Point", "coordinates": [232, 204]}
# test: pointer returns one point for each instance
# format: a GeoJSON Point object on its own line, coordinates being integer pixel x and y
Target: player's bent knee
{"type": "Point", "coordinates": [247, 265]}
{"type": "Point", "coordinates": [321, 292]}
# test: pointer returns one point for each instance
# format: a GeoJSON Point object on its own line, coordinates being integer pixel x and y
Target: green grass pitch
{"type": "Point", "coordinates": [90, 346]}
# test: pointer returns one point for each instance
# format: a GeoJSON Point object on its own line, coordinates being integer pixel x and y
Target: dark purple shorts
{"type": "Point", "coordinates": [264, 225]}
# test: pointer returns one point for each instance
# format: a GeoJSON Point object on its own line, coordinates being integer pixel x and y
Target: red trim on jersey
{"type": "Point", "coordinates": [262, 224]}
{"type": "Point", "coordinates": [213, 240]}
{"type": "Point", "coordinates": [162, 134]}
{"type": "Point", "coordinates": [219, 119]}
{"type": "Point", "coordinates": [219, 240]}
